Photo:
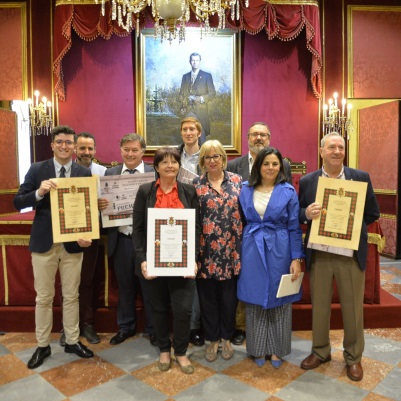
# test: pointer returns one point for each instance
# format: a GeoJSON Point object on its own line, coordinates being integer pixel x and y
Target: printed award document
{"type": "Point", "coordinates": [340, 221]}
{"type": "Point", "coordinates": [75, 214]}
{"type": "Point", "coordinates": [288, 287]}
{"type": "Point", "coordinates": [171, 242]}
{"type": "Point", "coordinates": [121, 190]}
{"type": "Point", "coordinates": [186, 176]}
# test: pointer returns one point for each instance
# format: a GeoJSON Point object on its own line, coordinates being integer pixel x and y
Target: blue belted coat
{"type": "Point", "coordinates": [268, 246]}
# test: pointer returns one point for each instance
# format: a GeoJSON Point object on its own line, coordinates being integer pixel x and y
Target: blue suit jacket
{"type": "Point", "coordinates": [112, 233]}
{"type": "Point", "coordinates": [307, 195]}
{"type": "Point", "coordinates": [41, 239]}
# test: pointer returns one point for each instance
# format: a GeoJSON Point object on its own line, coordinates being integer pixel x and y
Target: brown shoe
{"type": "Point", "coordinates": [355, 372]}
{"type": "Point", "coordinates": [312, 362]}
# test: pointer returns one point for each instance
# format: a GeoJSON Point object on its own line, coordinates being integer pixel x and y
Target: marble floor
{"type": "Point", "coordinates": [129, 371]}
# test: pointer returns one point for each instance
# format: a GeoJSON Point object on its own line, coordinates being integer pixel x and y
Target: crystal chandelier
{"type": "Point", "coordinates": [336, 119]}
{"type": "Point", "coordinates": [170, 16]}
{"type": "Point", "coordinates": [40, 115]}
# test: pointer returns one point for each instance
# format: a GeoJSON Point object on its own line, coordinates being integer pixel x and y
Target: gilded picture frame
{"type": "Point", "coordinates": [163, 74]}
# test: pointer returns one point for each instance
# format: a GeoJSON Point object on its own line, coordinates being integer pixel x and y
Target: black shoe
{"type": "Point", "coordinates": [62, 338]}
{"type": "Point", "coordinates": [196, 337]}
{"type": "Point", "coordinates": [90, 334]}
{"type": "Point", "coordinates": [78, 349]}
{"type": "Point", "coordinates": [121, 337]}
{"type": "Point", "coordinates": [39, 356]}
{"type": "Point", "coordinates": [152, 339]}
{"type": "Point", "coordinates": [238, 338]}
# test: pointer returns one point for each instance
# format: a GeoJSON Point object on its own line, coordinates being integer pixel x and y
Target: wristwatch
{"type": "Point", "coordinates": [298, 259]}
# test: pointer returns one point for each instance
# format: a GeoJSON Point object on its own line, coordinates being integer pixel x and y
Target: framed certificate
{"type": "Point", "coordinates": [171, 242]}
{"type": "Point", "coordinates": [340, 222]}
{"type": "Point", "coordinates": [74, 209]}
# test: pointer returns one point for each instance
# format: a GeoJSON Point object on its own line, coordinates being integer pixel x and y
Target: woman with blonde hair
{"type": "Point", "coordinates": [220, 243]}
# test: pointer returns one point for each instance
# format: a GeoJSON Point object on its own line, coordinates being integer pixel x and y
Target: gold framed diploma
{"type": "Point", "coordinates": [171, 242]}
{"type": "Point", "coordinates": [75, 214]}
{"type": "Point", "coordinates": [340, 221]}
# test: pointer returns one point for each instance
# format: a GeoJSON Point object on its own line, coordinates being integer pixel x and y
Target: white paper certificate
{"type": "Point", "coordinates": [171, 242]}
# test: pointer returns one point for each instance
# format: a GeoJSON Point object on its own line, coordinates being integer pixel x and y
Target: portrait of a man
{"type": "Point", "coordinates": [199, 77]}
{"type": "Point", "coordinates": [197, 89]}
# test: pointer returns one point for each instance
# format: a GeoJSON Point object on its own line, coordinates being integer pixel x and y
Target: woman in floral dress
{"type": "Point", "coordinates": [219, 261]}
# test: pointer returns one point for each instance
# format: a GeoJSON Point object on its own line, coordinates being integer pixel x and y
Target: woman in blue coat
{"type": "Point", "coordinates": [271, 247]}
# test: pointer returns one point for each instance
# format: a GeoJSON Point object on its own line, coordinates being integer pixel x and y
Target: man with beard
{"type": "Point", "coordinates": [258, 139]}
{"type": "Point", "coordinates": [85, 151]}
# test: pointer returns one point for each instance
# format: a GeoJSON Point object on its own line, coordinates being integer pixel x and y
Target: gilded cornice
{"type": "Point", "coordinates": [275, 2]}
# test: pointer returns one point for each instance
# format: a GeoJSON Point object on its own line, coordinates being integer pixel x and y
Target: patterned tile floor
{"type": "Point", "coordinates": [129, 371]}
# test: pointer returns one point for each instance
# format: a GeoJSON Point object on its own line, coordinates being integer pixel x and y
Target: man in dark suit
{"type": "Point", "coordinates": [258, 138]}
{"type": "Point", "coordinates": [197, 89]}
{"type": "Point", "coordinates": [48, 257]}
{"type": "Point", "coordinates": [327, 263]}
{"type": "Point", "coordinates": [121, 248]}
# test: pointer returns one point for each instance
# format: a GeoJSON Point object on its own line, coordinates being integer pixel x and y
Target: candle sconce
{"type": "Point", "coordinates": [336, 119]}
{"type": "Point", "coordinates": [40, 115]}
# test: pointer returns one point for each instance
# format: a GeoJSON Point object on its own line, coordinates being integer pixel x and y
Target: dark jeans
{"type": "Point", "coordinates": [218, 302]}
{"type": "Point", "coordinates": [177, 291]}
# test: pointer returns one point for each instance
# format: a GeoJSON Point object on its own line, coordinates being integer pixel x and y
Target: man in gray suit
{"type": "Point", "coordinates": [258, 138]}
{"type": "Point", "coordinates": [121, 247]}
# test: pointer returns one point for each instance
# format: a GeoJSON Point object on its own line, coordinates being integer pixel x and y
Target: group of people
{"type": "Point", "coordinates": [247, 233]}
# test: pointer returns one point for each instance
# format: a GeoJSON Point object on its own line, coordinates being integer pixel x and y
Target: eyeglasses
{"type": "Point", "coordinates": [261, 134]}
{"type": "Point", "coordinates": [59, 142]}
{"type": "Point", "coordinates": [207, 159]}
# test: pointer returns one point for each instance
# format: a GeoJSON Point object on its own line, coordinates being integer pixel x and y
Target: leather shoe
{"type": "Point", "coordinates": [152, 339]}
{"type": "Point", "coordinates": [78, 349]}
{"type": "Point", "coordinates": [90, 334]}
{"type": "Point", "coordinates": [355, 372]}
{"type": "Point", "coordinates": [239, 337]}
{"type": "Point", "coordinates": [120, 337]}
{"type": "Point", "coordinates": [196, 338]}
{"type": "Point", "coordinates": [312, 362]}
{"type": "Point", "coordinates": [39, 356]}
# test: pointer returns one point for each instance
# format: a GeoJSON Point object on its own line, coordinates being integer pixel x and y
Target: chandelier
{"type": "Point", "coordinates": [40, 115]}
{"type": "Point", "coordinates": [170, 16]}
{"type": "Point", "coordinates": [336, 119]}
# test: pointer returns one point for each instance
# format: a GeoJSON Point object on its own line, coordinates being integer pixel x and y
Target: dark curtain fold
{"type": "Point", "coordinates": [284, 22]}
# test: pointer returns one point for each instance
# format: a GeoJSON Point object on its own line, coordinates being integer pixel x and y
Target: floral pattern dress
{"type": "Point", "coordinates": [220, 241]}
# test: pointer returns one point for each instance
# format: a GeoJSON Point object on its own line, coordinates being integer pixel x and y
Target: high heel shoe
{"type": "Point", "coordinates": [226, 351]}
{"type": "Point", "coordinates": [211, 351]}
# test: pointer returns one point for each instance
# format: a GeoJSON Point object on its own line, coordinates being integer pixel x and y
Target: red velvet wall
{"type": "Point", "coordinates": [99, 81]}
{"type": "Point", "coordinates": [100, 92]}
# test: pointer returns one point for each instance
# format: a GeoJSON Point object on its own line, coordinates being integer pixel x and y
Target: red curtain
{"type": "Point", "coordinates": [284, 22]}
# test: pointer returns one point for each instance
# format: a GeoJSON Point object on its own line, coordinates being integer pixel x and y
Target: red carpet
{"type": "Point", "coordinates": [387, 314]}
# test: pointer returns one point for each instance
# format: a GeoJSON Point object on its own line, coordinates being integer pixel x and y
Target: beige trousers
{"type": "Point", "coordinates": [350, 280]}
{"type": "Point", "coordinates": [45, 266]}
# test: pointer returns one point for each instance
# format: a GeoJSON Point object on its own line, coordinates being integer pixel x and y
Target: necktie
{"type": "Point", "coordinates": [62, 172]}
{"type": "Point", "coordinates": [132, 171]}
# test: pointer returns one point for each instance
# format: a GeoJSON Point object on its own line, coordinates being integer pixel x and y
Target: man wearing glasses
{"type": "Point", "coordinates": [258, 139]}
{"type": "Point", "coordinates": [48, 257]}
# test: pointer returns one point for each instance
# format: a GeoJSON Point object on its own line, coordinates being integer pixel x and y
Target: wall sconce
{"type": "Point", "coordinates": [336, 119]}
{"type": "Point", "coordinates": [40, 115]}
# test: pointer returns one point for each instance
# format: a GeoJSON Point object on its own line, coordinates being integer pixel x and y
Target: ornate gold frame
{"type": "Point", "coordinates": [174, 52]}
